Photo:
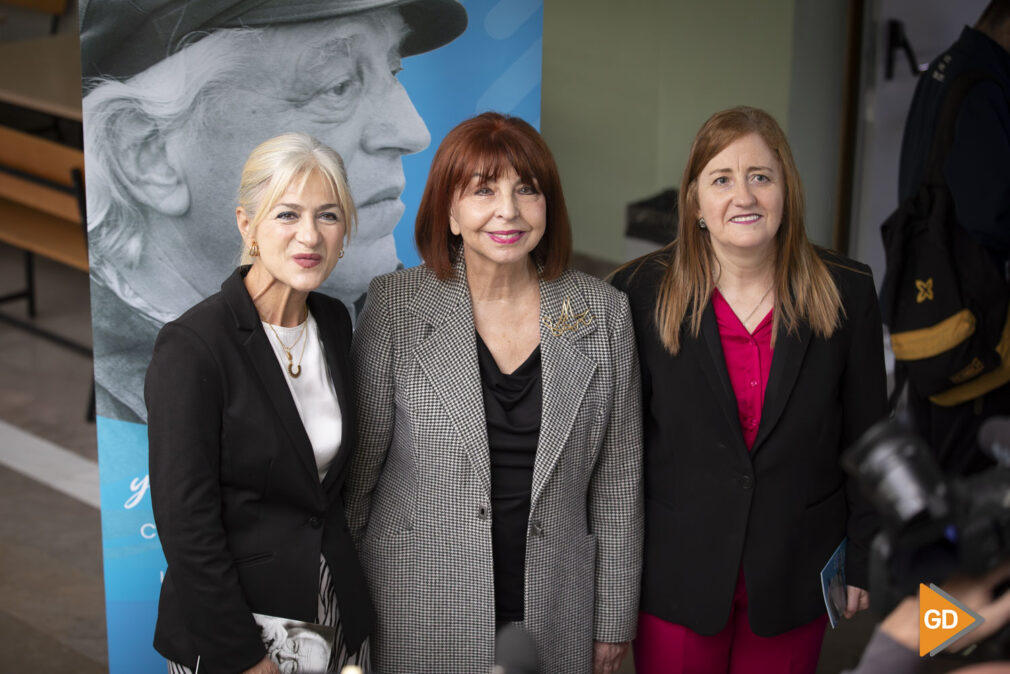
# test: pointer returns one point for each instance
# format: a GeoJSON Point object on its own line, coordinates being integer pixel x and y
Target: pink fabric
{"type": "Point", "coordinates": [666, 648]}
{"type": "Point", "coordinates": [748, 360]}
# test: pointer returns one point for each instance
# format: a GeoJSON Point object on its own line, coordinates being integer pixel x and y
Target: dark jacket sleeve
{"type": "Point", "coordinates": [976, 168]}
{"type": "Point", "coordinates": [884, 655]}
{"type": "Point", "coordinates": [864, 402]}
{"type": "Point", "coordinates": [184, 399]}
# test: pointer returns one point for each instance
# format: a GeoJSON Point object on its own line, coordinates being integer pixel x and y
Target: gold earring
{"type": "Point", "coordinates": [341, 253]}
{"type": "Point", "coordinates": [254, 250]}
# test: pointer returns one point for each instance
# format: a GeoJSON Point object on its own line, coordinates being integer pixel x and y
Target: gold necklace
{"type": "Point", "coordinates": [758, 305]}
{"type": "Point", "coordinates": [293, 370]}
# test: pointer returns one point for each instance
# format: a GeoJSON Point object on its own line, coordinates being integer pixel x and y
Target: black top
{"type": "Point", "coordinates": [512, 405]}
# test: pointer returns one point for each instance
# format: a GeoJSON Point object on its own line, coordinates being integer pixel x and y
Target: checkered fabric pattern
{"type": "Point", "coordinates": [418, 495]}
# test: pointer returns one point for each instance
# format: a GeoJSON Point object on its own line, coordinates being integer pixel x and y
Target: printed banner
{"type": "Point", "coordinates": [176, 94]}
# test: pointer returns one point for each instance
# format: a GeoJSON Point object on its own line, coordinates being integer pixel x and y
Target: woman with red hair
{"type": "Point", "coordinates": [497, 478]}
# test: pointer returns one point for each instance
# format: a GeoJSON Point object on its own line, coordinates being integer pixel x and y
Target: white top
{"type": "Point", "coordinates": [313, 390]}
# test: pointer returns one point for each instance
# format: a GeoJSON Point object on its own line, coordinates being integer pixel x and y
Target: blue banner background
{"type": "Point", "coordinates": [494, 65]}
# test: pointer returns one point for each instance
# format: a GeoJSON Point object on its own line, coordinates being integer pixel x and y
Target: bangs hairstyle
{"type": "Point", "coordinates": [287, 160]}
{"type": "Point", "coordinates": [489, 145]}
{"type": "Point", "coordinates": [804, 288]}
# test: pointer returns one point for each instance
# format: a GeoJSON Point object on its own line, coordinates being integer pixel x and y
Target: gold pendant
{"type": "Point", "coordinates": [293, 370]}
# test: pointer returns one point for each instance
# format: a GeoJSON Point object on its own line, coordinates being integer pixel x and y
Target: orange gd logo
{"type": "Point", "coordinates": [942, 620]}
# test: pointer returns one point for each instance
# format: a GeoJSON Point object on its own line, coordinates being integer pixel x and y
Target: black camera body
{"type": "Point", "coordinates": [933, 525]}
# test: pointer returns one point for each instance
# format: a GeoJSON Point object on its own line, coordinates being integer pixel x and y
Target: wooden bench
{"type": "Point", "coordinates": [54, 8]}
{"type": "Point", "coordinates": [42, 212]}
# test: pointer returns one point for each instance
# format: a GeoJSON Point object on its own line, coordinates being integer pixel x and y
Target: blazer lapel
{"type": "Point", "coordinates": [786, 361]}
{"type": "Point", "coordinates": [566, 371]}
{"type": "Point", "coordinates": [264, 361]}
{"type": "Point", "coordinates": [712, 361]}
{"type": "Point", "coordinates": [335, 350]}
{"type": "Point", "coordinates": [448, 358]}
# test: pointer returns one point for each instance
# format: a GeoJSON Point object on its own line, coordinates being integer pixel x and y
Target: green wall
{"type": "Point", "coordinates": [600, 112]}
{"type": "Point", "coordinates": [627, 85]}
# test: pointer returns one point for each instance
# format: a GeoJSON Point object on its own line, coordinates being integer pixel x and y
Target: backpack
{"type": "Point", "coordinates": [942, 297]}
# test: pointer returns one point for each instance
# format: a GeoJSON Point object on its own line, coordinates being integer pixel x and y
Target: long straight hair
{"type": "Point", "coordinates": [804, 288]}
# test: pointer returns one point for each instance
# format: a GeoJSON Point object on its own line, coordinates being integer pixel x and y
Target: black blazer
{"type": "Point", "coordinates": [780, 509]}
{"type": "Point", "coordinates": [237, 500]}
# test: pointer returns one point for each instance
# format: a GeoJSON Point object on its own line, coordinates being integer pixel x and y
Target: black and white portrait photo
{"type": "Point", "coordinates": [297, 647]}
{"type": "Point", "coordinates": [176, 94]}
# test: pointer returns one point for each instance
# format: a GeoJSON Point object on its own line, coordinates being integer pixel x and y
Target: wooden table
{"type": "Point", "coordinates": [43, 74]}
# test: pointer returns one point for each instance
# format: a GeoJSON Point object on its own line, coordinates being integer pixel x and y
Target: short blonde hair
{"type": "Point", "coordinates": [277, 164]}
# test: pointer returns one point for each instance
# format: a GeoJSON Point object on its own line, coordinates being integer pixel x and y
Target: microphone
{"type": "Point", "coordinates": [994, 439]}
{"type": "Point", "coordinates": [515, 652]}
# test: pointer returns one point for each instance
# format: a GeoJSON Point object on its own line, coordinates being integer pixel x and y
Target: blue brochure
{"type": "Point", "coordinates": [833, 584]}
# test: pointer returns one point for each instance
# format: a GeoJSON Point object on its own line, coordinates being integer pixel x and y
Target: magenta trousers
{"type": "Point", "coordinates": [667, 648]}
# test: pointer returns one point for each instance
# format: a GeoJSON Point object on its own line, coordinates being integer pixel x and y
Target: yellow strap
{"type": "Point", "coordinates": [934, 340]}
{"type": "Point", "coordinates": [985, 383]}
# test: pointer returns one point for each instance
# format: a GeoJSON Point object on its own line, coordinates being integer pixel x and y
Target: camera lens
{"type": "Point", "coordinates": [898, 474]}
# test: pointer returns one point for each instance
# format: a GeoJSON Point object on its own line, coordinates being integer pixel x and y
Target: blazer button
{"type": "Point", "coordinates": [482, 511]}
{"type": "Point", "coordinates": [536, 529]}
{"type": "Point", "coordinates": [315, 522]}
{"type": "Point", "coordinates": [746, 481]}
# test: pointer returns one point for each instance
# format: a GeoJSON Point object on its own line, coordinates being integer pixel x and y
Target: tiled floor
{"type": "Point", "coordinates": [52, 615]}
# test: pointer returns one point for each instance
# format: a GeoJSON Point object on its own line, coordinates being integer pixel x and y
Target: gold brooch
{"type": "Point", "coordinates": [567, 322]}
{"type": "Point", "coordinates": [925, 289]}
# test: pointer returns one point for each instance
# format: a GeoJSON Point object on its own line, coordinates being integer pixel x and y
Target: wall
{"type": "Point", "coordinates": [815, 107]}
{"type": "Point", "coordinates": [600, 111]}
{"type": "Point", "coordinates": [626, 87]}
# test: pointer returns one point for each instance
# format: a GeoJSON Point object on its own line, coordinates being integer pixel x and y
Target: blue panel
{"type": "Point", "coordinates": [131, 552]}
{"type": "Point", "coordinates": [131, 631]}
{"type": "Point", "coordinates": [471, 75]}
{"type": "Point", "coordinates": [495, 64]}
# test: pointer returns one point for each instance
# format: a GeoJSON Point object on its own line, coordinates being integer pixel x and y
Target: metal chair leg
{"type": "Point", "coordinates": [89, 416]}
{"type": "Point", "coordinates": [30, 282]}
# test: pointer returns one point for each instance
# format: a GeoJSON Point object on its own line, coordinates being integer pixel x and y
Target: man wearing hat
{"type": "Point", "coordinates": [177, 92]}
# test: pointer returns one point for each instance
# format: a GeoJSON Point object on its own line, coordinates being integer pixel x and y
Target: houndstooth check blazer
{"type": "Point", "coordinates": [419, 498]}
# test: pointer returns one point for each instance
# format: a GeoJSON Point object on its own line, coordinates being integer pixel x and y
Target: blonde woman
{"type": "Point", "coordinates": [762, 360]}
{"type": "Point", "coordinates": [251, 428]}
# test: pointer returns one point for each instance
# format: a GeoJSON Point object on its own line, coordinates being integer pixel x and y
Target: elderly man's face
{"type": "Point", "coordinates": [303, 651]}
{"type": "Point", "coordinates": [334, 79]}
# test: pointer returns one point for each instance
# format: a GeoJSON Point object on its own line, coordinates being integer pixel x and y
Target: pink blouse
{"type": "Point", "coordinates": [748, 360]}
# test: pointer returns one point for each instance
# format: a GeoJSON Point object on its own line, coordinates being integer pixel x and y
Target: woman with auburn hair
{"type": "Point", "coordinates": [498, 471]}
{"type": "Point", "coordinates": [762, 359]}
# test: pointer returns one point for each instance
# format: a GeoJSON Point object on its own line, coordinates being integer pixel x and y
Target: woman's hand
{"type": "Point", "coordinates": [607, 657]}
{"type": "Point", "coordinates": [858, 600]}
{"type": "Point", "coordinates": [264, 666]}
